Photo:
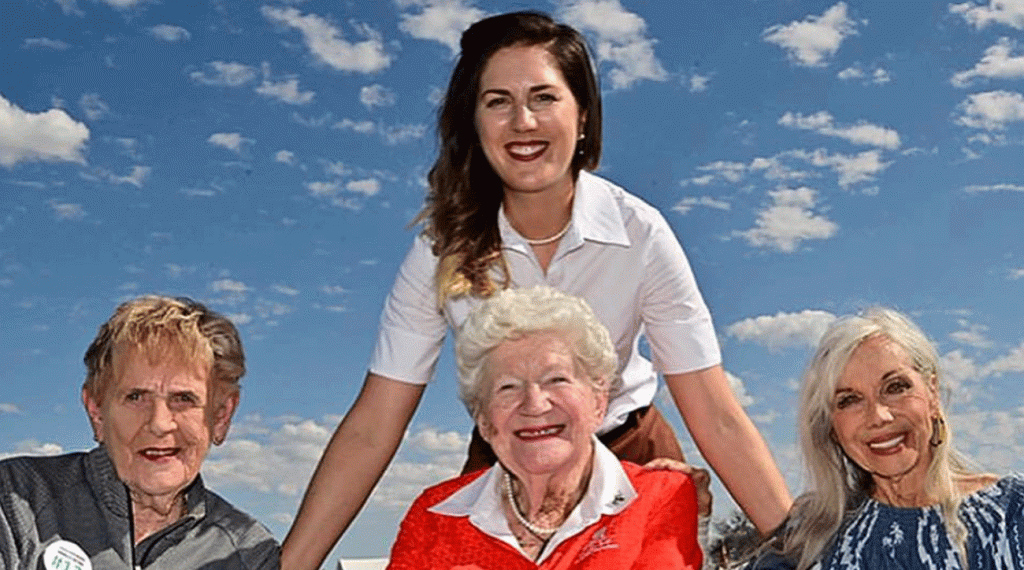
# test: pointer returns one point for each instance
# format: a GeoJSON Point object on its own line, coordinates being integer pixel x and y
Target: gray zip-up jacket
{"type": "Point", "coordinates": [78, 498]}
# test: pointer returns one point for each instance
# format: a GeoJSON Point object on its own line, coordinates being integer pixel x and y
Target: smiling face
{"type": "Point", "coordinates": [539, 410]}
{"type": "Point", "coordinates": [881, 413]}
{"type": "Point", "coordinates": [157, 421]}
{"type": "Point", "coordinates": [527, 119]}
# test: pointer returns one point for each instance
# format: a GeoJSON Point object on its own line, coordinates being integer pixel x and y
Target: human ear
{"type": "Point", "coordinates": [222, 417]}
{"type": "Point", "coordinates": [601, 404]}
{"type": "Point", "coordinates": [95, 413]}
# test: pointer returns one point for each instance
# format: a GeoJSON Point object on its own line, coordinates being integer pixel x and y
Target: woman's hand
{"type": "Point", "coordinates": [701, 480]}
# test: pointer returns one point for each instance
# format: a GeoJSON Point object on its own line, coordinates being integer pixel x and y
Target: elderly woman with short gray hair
{"type": "Point", "coordinates": [534, 372]}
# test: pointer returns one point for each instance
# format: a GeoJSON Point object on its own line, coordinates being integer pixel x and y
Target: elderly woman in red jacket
{"type": "Point", "coordinates": [535, 367]}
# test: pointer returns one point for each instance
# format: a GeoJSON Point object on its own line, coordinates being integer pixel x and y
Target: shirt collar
{"type": "Point", "coordinates": [608, 493]}
{"type": "Point", "coordinates": [596, 216]}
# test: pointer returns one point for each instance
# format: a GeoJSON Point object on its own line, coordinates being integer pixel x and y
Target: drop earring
{"type": "Point", "coordinates": [938, 431]}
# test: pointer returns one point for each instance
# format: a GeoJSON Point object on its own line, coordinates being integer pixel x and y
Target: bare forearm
{"type": "Point", "coordinates": [740, 457]}
{"type": "Point", "coordinates": [349, 469]}
{"type": "Point", "coordinates": [732, 445]}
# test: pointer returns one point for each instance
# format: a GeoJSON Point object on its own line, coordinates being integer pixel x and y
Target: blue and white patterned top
{"type": "Point", "coordinates": [883, 537]}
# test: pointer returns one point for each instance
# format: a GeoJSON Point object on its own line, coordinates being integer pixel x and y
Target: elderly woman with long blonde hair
{"type": "Point", "coordinates": [889, 489]}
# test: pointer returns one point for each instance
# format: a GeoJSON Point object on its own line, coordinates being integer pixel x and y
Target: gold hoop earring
{"type": "Point", "coordinates": [938, 431]}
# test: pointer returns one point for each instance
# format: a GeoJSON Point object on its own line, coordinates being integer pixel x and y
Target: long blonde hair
{"type": "Point", "coordinates": [839, 486]}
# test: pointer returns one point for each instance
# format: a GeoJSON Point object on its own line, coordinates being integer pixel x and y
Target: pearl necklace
{"type": "Point", "coordinates": [547, 240]}
{"type": "Point", "coordinates": [537, 530]}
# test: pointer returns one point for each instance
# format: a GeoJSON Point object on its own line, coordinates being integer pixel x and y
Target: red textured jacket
{"type": "Point", "coordinates": [657, 530]}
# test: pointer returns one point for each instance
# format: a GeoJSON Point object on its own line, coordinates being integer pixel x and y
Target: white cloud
{"type": "Point", "coordinates": [698, 83]}
{"type": "Point", "coordinates": [333, 289]}
{"type": "Point", "coordinates": [93, 106]}
{"type": "Point", "coordinates": [789, 220]}
{"type": "Point", "coordinates": [239, 319]}
{"type": "Point", "coordinates": [855, 72]}
{"type": "Point", "coordinates": [730, 171]}
{"type": "Point", "coordinates": [323, 189]}
{"type": "Point", "coordinates": [391, 134]}
{"type": "Point", "coordinates": [686, 204]}
{"type": "Point", "coordinates": [813, 40]}
{"type": "Point", "coordinates": [862, 133]}
{"type": "Point", "coordinates": [1008, 12]}
{"type": "Point", "coordinates": [69, 7]}
{"type": "Point", "coordinates": [971, 335]}
{"type": "Point", "coordinates": [364, 127]}
{"type": "Point", "coordinates": [33, 447]}
{"type": "Point", "coordinates": [956, 370]}
{"type": "Point", "coordinates": [999, 62]}
{"type": "Point", "coordinates": [169, 33]}
{"type": "Point", "coordinates": [438, 20]}
{"type": "Point", "coordinates": [377, 96]}
{"type": "Point", "coordinates": [198, 192]}
{"type": "Point", "coordinates": [276, 456]}
{"type": "Point", "coordinates": [46, 43]}
{"type": "Point", "coordinates": [366, 187]}
{"type": "Point", "coordinates": [337, 168]}
{"type": "Point", "coordinates": [286, 91]}
{"type": "Point", "coordinates": [429, 439]}
{"type": "Point", "coordinates": [175, 271]}
{"type": "Point", "coordinates": [285, 290]}
{"type": "Point", "coordinates": [991, 110]}
{"type": "Point", "coordinates": [6, 408]}
{"type": "Point", "coordinates": [47, 136]}
{"type": "Point", "coordinates": [1005, 187]}
{"type": "Point", "coordinates": [224, 74]}
{"type": "Point", "coordinates": [326, 43]}
{"type": "Point", "coordinates": [851, 169]}
{"type": "Point", "coordinates": [426, 457]}
{"type": "Point", "coordinates": [1016, 274]}
{"type": "Point", "coordinates": [343, 194]}
{"type": "Point", "coordinates": [783, 330]}
{"type": "Point", "coordinates": [739, 389]}
{"type": "Point", "coordinates": [123, 4]}
{"type": "Point", "coordinates": [67, 212]}
{"type": "Point", "coordinates": [850, 73]}
{"type": "Point", "coordinates": [992, 438]}
{"type": "Point", "coordinates": [1012, 362]}
{"type": "Point", "coordinates": [136, 178]}
{"type": "Point", "coordinates": [396, 134]}
{"type": "Point", "coordinates": [231, 141]}
{"type": "Point", "coordinates": [229, 286]}
{"type": "Point", "coordinates": [620, 39]}
{"type": "Point", "coordinates": [284, 156]}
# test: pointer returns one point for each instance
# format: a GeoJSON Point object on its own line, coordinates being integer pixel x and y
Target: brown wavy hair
{"type": "Point", "coordinates": [461, 209]}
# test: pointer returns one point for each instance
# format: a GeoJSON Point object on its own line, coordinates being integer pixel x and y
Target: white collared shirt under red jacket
{"type": "Point", "coordinates": [630, 518]}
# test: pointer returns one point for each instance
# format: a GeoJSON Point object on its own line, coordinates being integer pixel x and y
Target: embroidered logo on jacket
{"type": "Point", "coordinates": [598, 542]}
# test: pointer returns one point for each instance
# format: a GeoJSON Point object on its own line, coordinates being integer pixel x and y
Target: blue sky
{"type": "Point", "coordinates": [814, 158]}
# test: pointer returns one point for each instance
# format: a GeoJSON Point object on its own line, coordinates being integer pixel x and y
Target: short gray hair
{"type": "Point", "coordinates": [514, 313]}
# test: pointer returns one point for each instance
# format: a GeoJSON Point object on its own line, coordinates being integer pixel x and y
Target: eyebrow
{"type": "Point", "coordinates": [886, 376]}
{"type": "Point", "coordinates": [501, 91]}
